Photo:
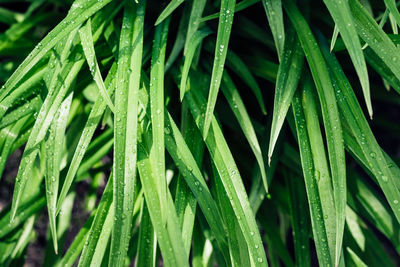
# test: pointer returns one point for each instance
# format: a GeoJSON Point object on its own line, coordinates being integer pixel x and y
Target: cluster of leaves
{"type": "Point", "coordinates": [138, 82]}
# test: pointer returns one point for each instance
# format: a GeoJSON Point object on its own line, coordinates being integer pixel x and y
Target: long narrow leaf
{"type": "Point", "coordinates": [231, 179]}
{"type": "Point", "coordinates": [375, 37]}
{"type": "Point", "coordinates": [321, 169]}
{"type": "Point", "coordinates": [77, 15]}
{"type": "Point", "coordinates": [236, 103]}
{"type": "Point", "coordinates": [289, 72]}
{"type": "Point", "coordinates": [147, 246]}
{"type": "Point", "coordinates": [58, 88]}
{"type": "Point", "coordinates": [221, 48]}
{"type": "Point", "coordinates": [54, 149]}
{"type": "Point", "coordinates": [273, 9]}
{"type": "Point", "coordinates": [342, 16]}
{"type": "Point", "coordinates": [125, 127]}
{"type": "Point", "coordinates": [314, 201]}
{"type": "Point", "coordinates": [391, 5]}
{"type": "Point", "coordinates": [157, 153]}
{"type": "Point", "coordinates": [87, 134]}
{"type": "Point", "coordinates": [85, 34]}
{"type": "Point", "coordinates": [330, 116]}
{"type": "Point", "coordinates": [168, 10]}
{"type": "Point", "coordinates": [104, 208]}
{"type": "Point", "coordinates": [194, 21]}
{"type": "Point", "coordinates": [359, 127]}
{"type": "Point", "coordinates": [193, 43]}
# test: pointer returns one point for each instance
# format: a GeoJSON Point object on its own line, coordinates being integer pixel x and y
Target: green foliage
{"type": "Point", "coordinates": [125, 98]}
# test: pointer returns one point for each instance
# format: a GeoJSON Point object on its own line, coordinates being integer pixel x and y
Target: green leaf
{"type": "Point", "coordinates": [230, 176]}
{"type": "Point", "coordinates": [237, 244]}
{"type": "Point", "coordinates": [358, 125]}
{"type": "Point", "coordinates": [96, 151]}
{"type": "Point", "coordinates": [180, 38]}
{"type": "Point", "coordinates": [194, 21]}
{"type": "Point", "coordinates": [371, 206]}
{"type": "Point", "coordinates": [53, 156]}
{"type": "Point", "coordinates": [354, 258]}
{"type": "Point", "coordinates": [274, 239]}
{"type": "Point", "coordinates": [186, 163]}
{"type": "Point", "coordinates": [22, 89]}
{"type": "Point", "coordinates": [235, 63]}
{"type": "Point", "coordinates": [191, 172]}
{"type": "Point", "coordinates": [314, 201]}
{"type": "Point", "coordinates": [238, 7]}
{"type": "Point", "coordinates": [20, 112]}
{"type": "Point", "coordinates": [9, 136]}
{"type": "Point", "coordinates": [86, 136]}
{"type": "Point", "coordinates": [391, 6]}
{"type": "Point", "coordinates": [236, 103]}
{"type": "Point", "coordinates": [25, 237]}
{"type": "Point", "coordinates": [58, 82]}
{"type": "Point", "coordinates": [27, 210]}
{"type": "Point", "coordinates": [63, 224]}
{"type": "Point", "coordinates": [185, 200]}
{"type": "Point", "coordinates": [321, 169]}
{"type": "Point", "coordinates": [375, 37]}
{"type": "Point", "coordinates": [335, 35]}
{"type": "Point", "coordinates": [86, 37]}
{"type": "Point", "coordinates": [76, 247]}
{"type": "Point", "coordinates": [342, 16]}
{"type": "Point", "coordinates": [16, 32]}
{"type": "Point", "coordinates": [290, 69]}
{"type": "Point", "coordinates": [221, 48]}
{"type": "Point", "coordinates": [104, 213]}
{"type": "Point", "coordinates": [193, 43]}
{"type": "Point", "coordinates": [188, 168]}
{"type": "Point", "coordinates": [9, 17]}
{"type": "Point", "coordinates": [367, 245]}
{"type": "Point", "coordinates": [299, 219]}
{"type": "Point", "coordinates": [168, 236]}
{"type": "Point", "coordinates": [156, 94]}
{"type": "Point", "coordinates": [273, 9]}
{"type": "Point", "coordinates": [179, 194]}
{"type": "Point", "coordinates": [330, 116]}
{"type": "Point", "coordinates": [147, 247]}
{"type": "Point", "coordinates": [125, 127]}
{"type": "Point", "coordinates": [168, 10]}
{"type": "Point", "coordinates": [79, 12]}
{"type": "Point", "coordinates": [380, 67]}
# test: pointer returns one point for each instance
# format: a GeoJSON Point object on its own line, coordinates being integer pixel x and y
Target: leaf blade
{"type": "Point", "coordinates": [156, 94]}
{"type": "Point", "coordinates": [288, 77]}
{"type": "Point", "coordinates": [221, 48]}
{"type": "Point", "coordinates": [77, 15]}
{"type": "Point", "coordinates": [341, 14]}
{"type": "Point", "coordinates": [125, 127]}
{"type": "Point", "coordinates": [85, 33]}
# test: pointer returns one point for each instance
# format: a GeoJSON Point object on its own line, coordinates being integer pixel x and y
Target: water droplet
{"type": "Point", "coordinates": [317, 175]}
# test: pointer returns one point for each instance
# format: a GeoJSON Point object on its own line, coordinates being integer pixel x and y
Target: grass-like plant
{"type": "Point", "coordinates": [160, 109]}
